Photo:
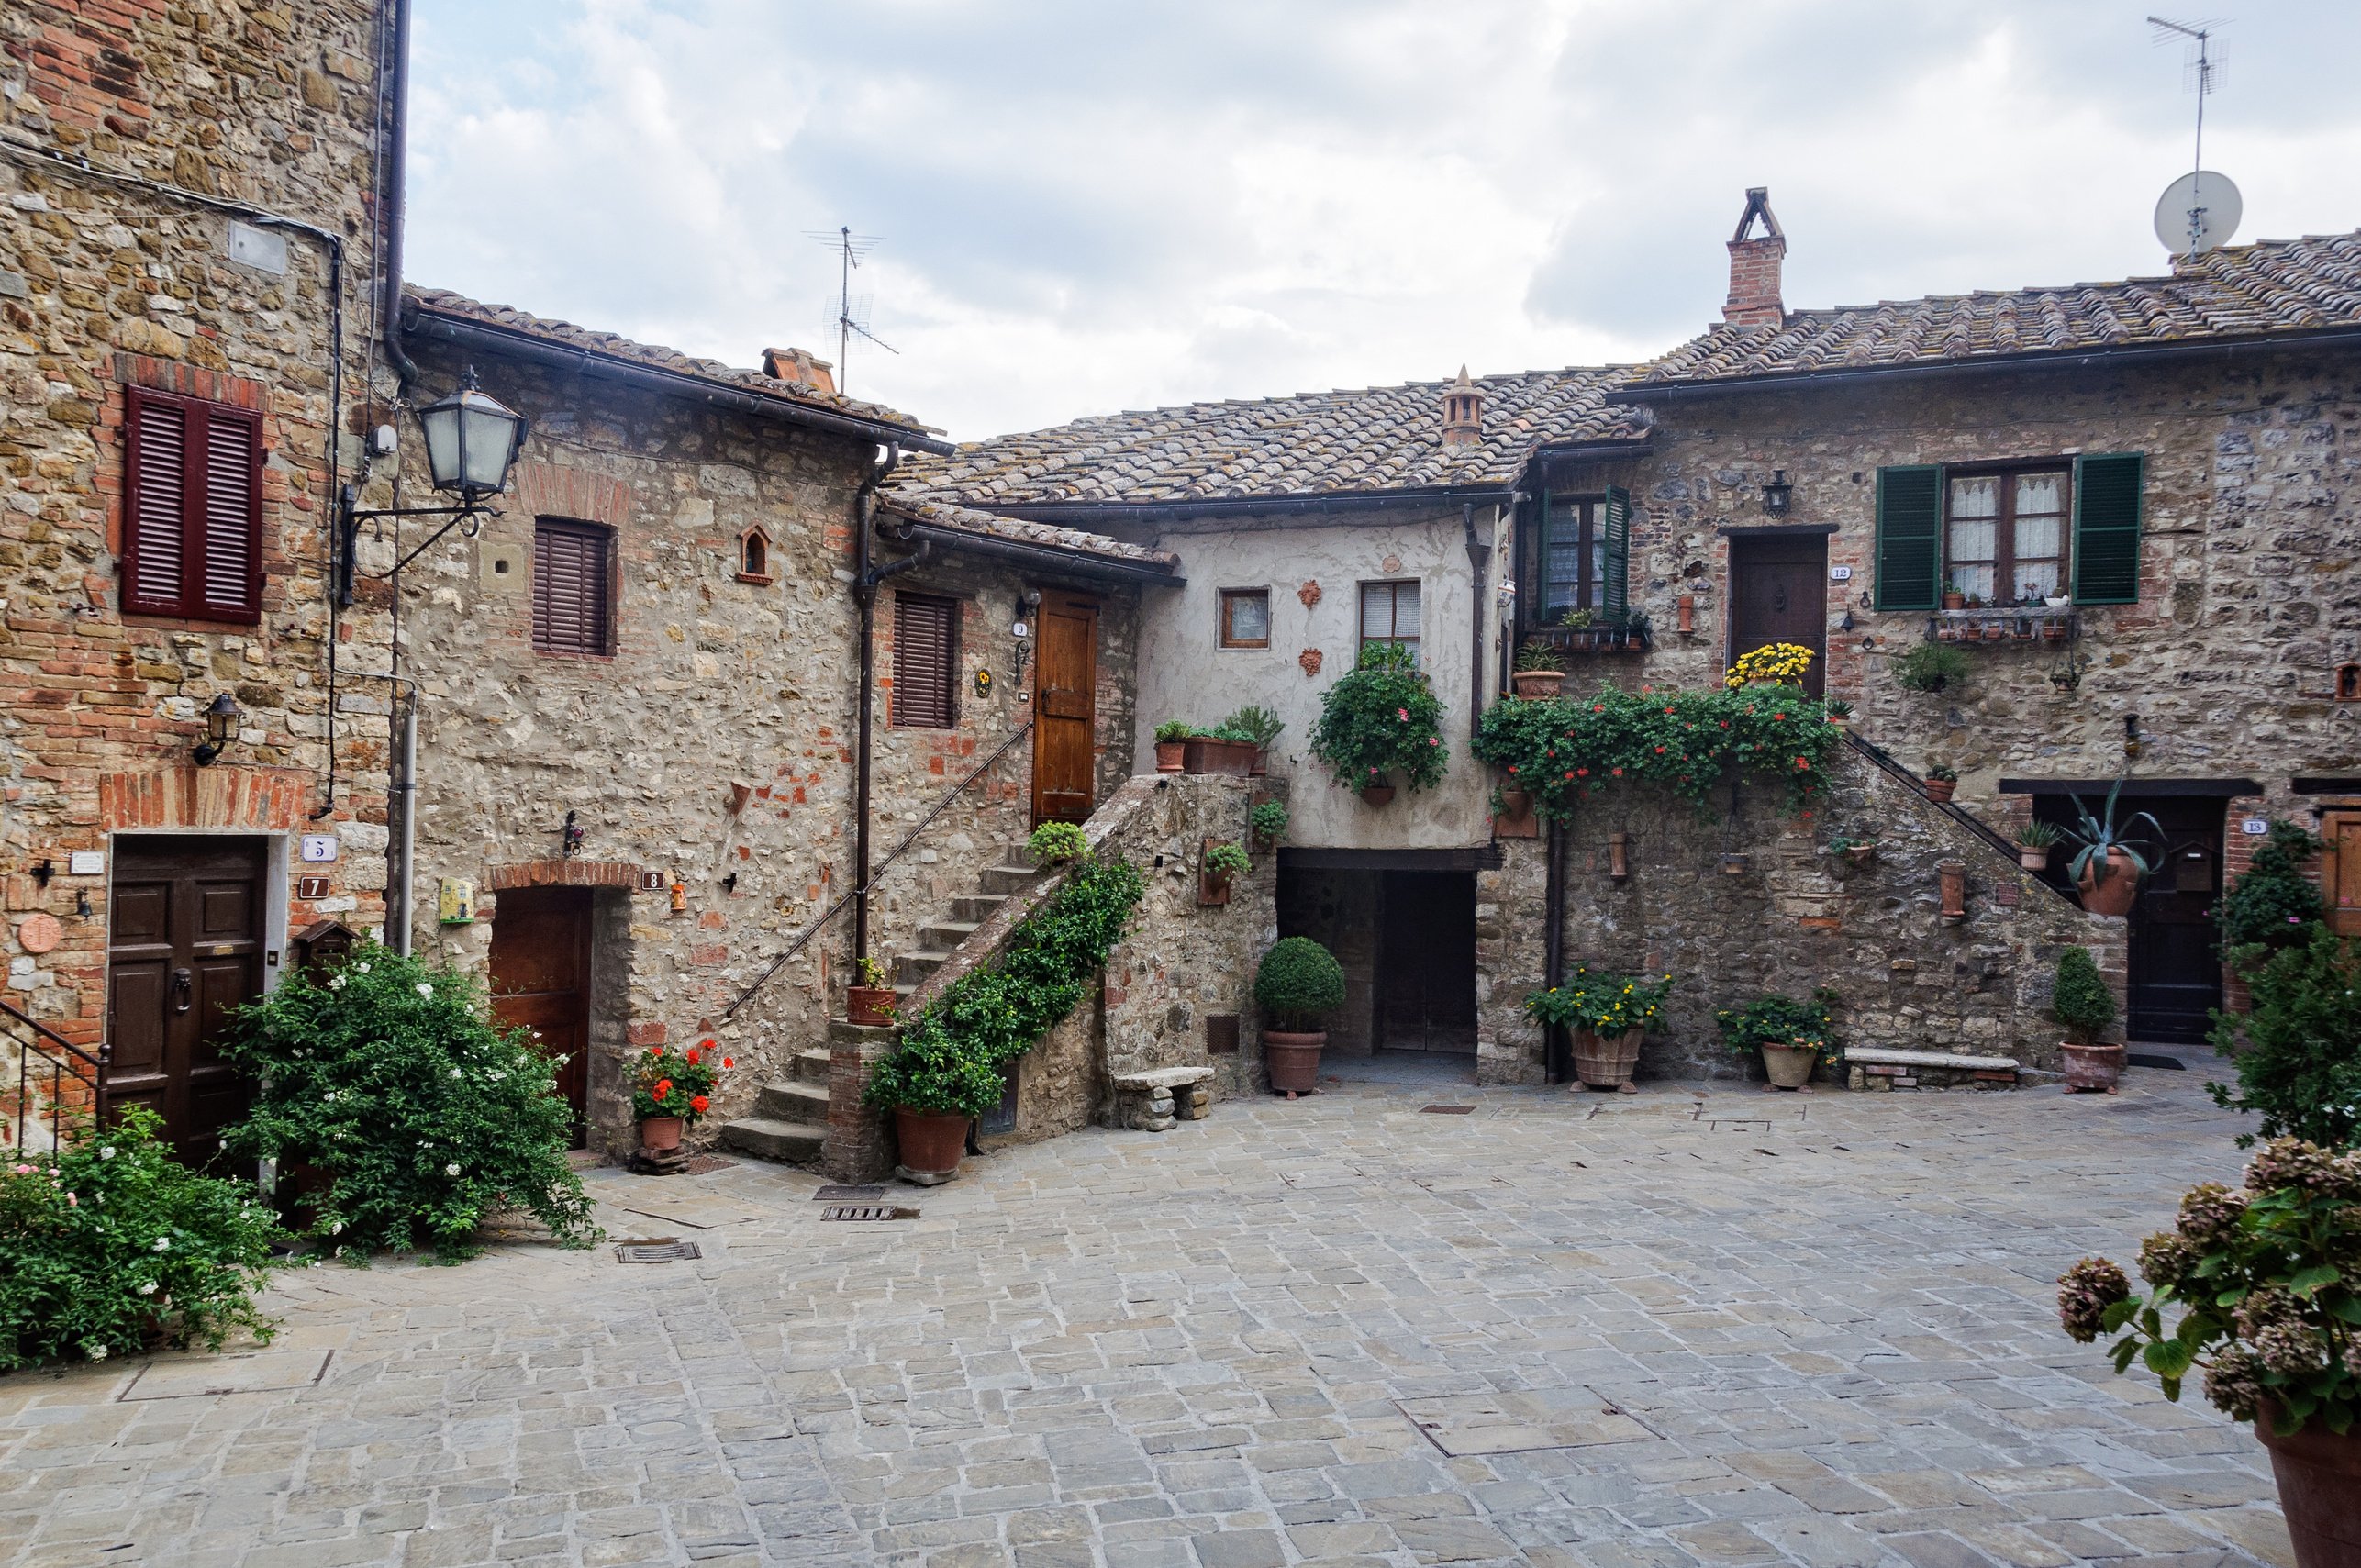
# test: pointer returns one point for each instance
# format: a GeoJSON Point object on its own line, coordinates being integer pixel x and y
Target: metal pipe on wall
{"type": "Point", "coordinates": [865, 579]}
{"type": "Point", "coordinates": [1554, 1044]}
{"type": "Point", "coordinates": [401, 876]}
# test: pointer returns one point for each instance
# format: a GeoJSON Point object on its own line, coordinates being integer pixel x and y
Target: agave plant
{"type": "Point", "coordinates": [2100, 836]}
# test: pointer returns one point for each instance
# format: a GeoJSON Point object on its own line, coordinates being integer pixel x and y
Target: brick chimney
{"type": "Point", "coordinates": [1755, 267]}
{"type": "Point", "coordinates": [797, 365]}
{"type": "Point", "coordinates": [1463, 412]}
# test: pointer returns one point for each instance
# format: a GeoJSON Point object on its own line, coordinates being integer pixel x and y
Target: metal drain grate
{"type": "Point", "coordinates": [1445, 1110]}
{"type": "Point", "coordinates": [866, 1211]}
{"type": "Point", "coordinates": [655, 1251]}
{"type": "Point", "coordinates": [705, 1164]}
{"type": "Point", "coordinates": [839, 1194]}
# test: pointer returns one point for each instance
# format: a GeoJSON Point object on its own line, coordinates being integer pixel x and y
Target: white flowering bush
{"type": "Point", "coordinates": [399, 1114]}
{"type": "Point", "coordinates": [110, 1246]}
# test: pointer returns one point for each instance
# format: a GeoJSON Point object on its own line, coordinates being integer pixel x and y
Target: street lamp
{"type": "Point", "coordinates": [473, 439]}
{"type": "Point", "coordinates": [221, 716]}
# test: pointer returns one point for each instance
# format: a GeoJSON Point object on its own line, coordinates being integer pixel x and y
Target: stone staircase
{"type": "Point", "coordinates": [790, 1119]}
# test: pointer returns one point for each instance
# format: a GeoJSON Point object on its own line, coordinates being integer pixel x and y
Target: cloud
{"type": "Point", "coordinates": [1086, 206]}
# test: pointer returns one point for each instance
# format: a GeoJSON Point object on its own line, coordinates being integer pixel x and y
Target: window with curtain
{"type": "Point", "coordinates": [2005, 534]}
{"type": "Point", "coordinates": [1389, 613]}
{"type": "Point", "coordinates": [1576, 552]}
{"type": "Point", "coordinates": [1245, 617]}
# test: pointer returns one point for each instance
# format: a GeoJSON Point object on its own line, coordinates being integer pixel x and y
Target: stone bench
{"type": "Point", "coordinates": [1151, 1101]}
{"type": "Point", "coordinates": [1871, 1068]}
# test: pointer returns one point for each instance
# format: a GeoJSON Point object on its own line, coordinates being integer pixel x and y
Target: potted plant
{"type": "Point", "coordinates": [1511, 798]}
{"type": "Point", "coordinates": [2081, 1002]}
{"type": "Point", "coordinates": [1223, 864]}
{"type": "Point", "coordinates": [934, 1085]}
{"type": "Point", "coordinates": [1940, 783]}
{"type": "Point", "coordinates": [1172, 745]}
{"type": "Point", "coordinates": [1260, 727]}
{"type": "Point", "coordinates": [1539, 671]}
{"type": "Point", "coordinates": [1298, 983]}
{"type": "Point", "coordinates": [1838, 712]}
{"type": "Point", "coordinates": [1636, 627]}
{"type": "Point", "coordinates": [2105, 868]}
{"type": "Point", "coordinates": [1608, 1016]}
{"type": "Point", "coordinates": [1058, 843]}
{"type": "Point", "coordinates": [1793, 1037]}
{"type": "Point", "coordinates": [1930, 667]}
{"type": "Point", "coordinates": [1953, 599]}
{"type": "Point", "coordinates": [1381, 719]}
{"type": "Point", "coordinates": [1853, 851]}
{"type": "Point", "coordinates": [671, 1092]}
{"type": "Point", "coordinates": [869, 1003]}
{"type": "Point", "coordinates": [1267, 823]}
{"type": "Point", "coordinates": [2035, 841]}
{"type": "Point", "coordinates": [2265, 1283]}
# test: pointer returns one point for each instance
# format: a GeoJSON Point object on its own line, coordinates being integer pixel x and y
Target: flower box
{"type": "Point", "coordinates": [1229, 759]}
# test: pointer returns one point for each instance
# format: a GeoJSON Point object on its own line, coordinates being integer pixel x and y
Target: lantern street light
{"type": "Point", "coordinates": [473, 439]}
{"type": "Point", "coordinates": [221, 716]}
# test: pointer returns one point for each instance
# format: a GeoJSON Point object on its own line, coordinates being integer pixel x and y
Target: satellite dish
{"type": "Point", "coordinates": [2197, 213]}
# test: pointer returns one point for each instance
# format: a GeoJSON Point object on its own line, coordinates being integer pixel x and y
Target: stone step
{"type": "Point", "coordinates": [794, 1141]}
{"type": "Point", "coordinates": [947, 934]}
{"type": "Point", "coordinates": [976, 907]}
{"type": "Point", "coordinates": [841, 1031]}
{"type": "Point", "coordinates": [794, 1102]}
{"type": "Point", "coordinates": [811, 1066]}
{"type": "Point", "coordinates": [914, 967]}
{"type": "Point", "coordinates": [1004, 879]}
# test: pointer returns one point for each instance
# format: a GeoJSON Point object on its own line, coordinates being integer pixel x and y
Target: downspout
{"type": "Point", "coordinates": [1554, 949]}
{"type": "Point", "coordinates": [406, 791]}
{"type": "Point", "coordinates": [394, 192]}
{"type": "Point", "coordinates": [1479, 559]}
{"type": "Point", "coordinates": [866, 576]}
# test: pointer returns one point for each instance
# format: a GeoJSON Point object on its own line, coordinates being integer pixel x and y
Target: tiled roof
{"type": "Point", "coordinates": [1044, 535]}
{"type": "Point", "coordinates": [2270, 288]}
{"type": "Point", "coordinates": [442, 302]}
{"type": "Point", "coordinates": [1384, 438]}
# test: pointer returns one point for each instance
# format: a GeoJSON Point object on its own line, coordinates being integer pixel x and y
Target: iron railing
{"type": "Point", "coordinates": [876, 872]}
{"type": "Point", "coordinates": [1959, 814]}
{"type": "Point", "coordinates": [72, 1080]}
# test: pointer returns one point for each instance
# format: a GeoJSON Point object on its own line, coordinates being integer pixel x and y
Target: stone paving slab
{"type": "Point", "coordinates": [1824, 1324]}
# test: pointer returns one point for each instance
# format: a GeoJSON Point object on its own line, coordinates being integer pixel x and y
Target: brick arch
{"type": "Point", "coordinates": [563, 873]}
{"type": "Point", "coordinates": [271, 799]}
{"type": "Point", "coordinates": [547, 490]}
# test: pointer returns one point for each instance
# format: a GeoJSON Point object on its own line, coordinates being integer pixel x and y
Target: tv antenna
{"type": "Point", "coordinates": [851, 314]}
{"type": "Point", "coordinates": [2200, 211]}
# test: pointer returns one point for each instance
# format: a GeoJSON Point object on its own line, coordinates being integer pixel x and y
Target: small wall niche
{"type": "Point", "coordinates": [754, 557]}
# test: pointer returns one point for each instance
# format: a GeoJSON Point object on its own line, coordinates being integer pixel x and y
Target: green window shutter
{"type": "Point", "coordinates": [1536, 610]}
{"type": "Point", "coordinates": [2107, 528]}
{"type": "Point", "coordinates": [1615, 523]}
{"type": "Point", "coordinates": [1909, 537]}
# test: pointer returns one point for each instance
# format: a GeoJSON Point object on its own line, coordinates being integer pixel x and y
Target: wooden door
{"type": "Point", "coordinates": [541, 980]}
{"type": "Point", "coordinates": [1065, 708]}
{"type": "Point", "coordinates": [2173, 979]}
{"type": "Point", "coordinates": [1778, 593]}
{"type": "Point", "coordinates": [185, 947]}
{"type": "Point", "coordinates": [1425, 961]}
{"type": "Point", "coordinates": [2340, 870]}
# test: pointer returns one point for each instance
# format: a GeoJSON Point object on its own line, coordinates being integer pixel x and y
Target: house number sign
{"type": "Point", "coordinates": [320, 848]}
{"type": "Point", "coordinates": [2255, 826]}
{"type": "Point", "coordinates": [1840, 574]}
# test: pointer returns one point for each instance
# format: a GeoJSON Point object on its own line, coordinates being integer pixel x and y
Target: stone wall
{"type": "Point", "coordinates": [1795, 919]}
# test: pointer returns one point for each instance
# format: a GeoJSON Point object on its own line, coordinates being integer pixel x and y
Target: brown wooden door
{"type": "Point", "coordinates": [1065, 708]}
{"type": "Point", "coordinates": [1778, 593]}
{"type": "Point", "coordinates": [540, 980]}
{"type": "Point", "coordinates": [2340, 870]}
{"type": "Point", "coordinates": [2173, 981]}
{"type": "Point", "coordinates": [1425, 960]}
{"type": "Point", "coordinates": [185, 946]}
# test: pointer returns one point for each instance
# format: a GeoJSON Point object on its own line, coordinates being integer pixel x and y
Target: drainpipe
{"type": "Point", "coordinates": [1479, 558]}
{"type": "Point", "coordinates": [866, 576]}
{"type": "Point", "coordinates": [406, 792]}
{"type": "Point", "coordinates": [393, 194]}
{"type": "Point", "coordinates": [1554, 947]}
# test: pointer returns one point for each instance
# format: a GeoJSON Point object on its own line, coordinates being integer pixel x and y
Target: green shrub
{"type": "Point", "coordinates": [1058, 841]}
{"type": "Point", "coordinates": [2078, 997]}
{"type": "Point", "coordinates": [1380, 717]}
{"type": "Point", "coordinates": [1930, 667]}
{"type": "Point", "coordinates": [1255, 723]}
{"type": "Point", "coordinates": [1606, 1005]}
{"type": "Point", "coordinates": [2300, 1068]}
{"type": "Point", "coordinates": [2273, 903]}
{"type": "Point", "coordinates": [1268, 820]}
{"type": "Point", "coordinates": [112, 1240]}
{"type": "Point", "coordinates": [1226, 860]}
{"type": "Point", "coordinates": [1299, 982]}
{"type": "Point", "coordinates": [1537, 654]}
{"type": "Point", "coordinates": [950, 1058]}
{"type": "Point", "coordinates": [1174, 729]}
{"type": "Point", "coordinates": [1687, 742]}
{"type": "Point", "coordinates": [388, 1078]}
{"type": "Point", "coordinates": [1781, 1020]}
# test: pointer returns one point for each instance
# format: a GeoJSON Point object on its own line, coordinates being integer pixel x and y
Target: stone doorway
{"type": "Point", "coordinates": [2173, 978]}
{"type": "Point", "coordinates": [1425, 961]}
{"type": "Point", "coordinates": [1778, 593]}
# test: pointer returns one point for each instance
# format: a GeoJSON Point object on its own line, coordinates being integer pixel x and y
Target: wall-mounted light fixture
{"type": "Point", "coordinates": [473, 439]}
{"type": "Point", "coordinates": [1028, 604]}
{"type": "Point", "coordinates": [1778, 495]}
{"type": "Point", "coordinates": [2131, 734]}
{"type": "Point", "coordinates": [221, 715]}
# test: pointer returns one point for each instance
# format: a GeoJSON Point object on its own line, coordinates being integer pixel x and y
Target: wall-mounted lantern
{"type": "Point", "coordinates": [1778, 495]}
{"type": "Point", "coordinates": [1028, 604]}
{"type": "Point", "coordinates": [473, 439]}
{"type": "Point", "coordinates": [221, 716]}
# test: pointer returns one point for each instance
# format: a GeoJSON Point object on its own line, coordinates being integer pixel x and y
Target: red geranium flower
{"type": "Point", "coordinates": [726, 1061]}
{"type": "Point", "coordinates": [706, 1044]}
{"type": "Point", "coordinates": [1619, 773]}
{"type": "Point", "coordinates": [691, 1054]}
{"type": "Point", "coordinates": [697, 1104]}
{"type": "Point", "coordinates": [664, 1086]}
{"type": "Point", "coordinates": [1583, 772]}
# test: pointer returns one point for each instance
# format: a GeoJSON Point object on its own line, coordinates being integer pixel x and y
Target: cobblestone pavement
{"type": "Point", "coordinates": [1693, 1325]}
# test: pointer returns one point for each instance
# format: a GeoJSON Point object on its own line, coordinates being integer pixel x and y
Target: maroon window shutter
{"type": "Point", "coordinates": [155, 510]}
{"type": "Point", "coordinates": [192, 508]}
{"type": "Point", "coordinates": [573, 587]}
{"type": "Point", "coordinates": [925, 654]}
{"type": "Point", "coordinates": [227, 517]}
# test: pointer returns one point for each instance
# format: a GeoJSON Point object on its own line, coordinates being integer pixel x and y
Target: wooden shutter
{"type": "Point", "coordinates": [1909, 537]}
{"type": "Point", "coordinates": [192, 508]}
{"type": "Point", "coordinates": [1537, 611]}
{"type": "Point", "coordinates": [2340, 870]}
{"type": "Point", "coordinates": [926, 654]}
{"type": "Point", "coordinates": [2107, 528]}
{"type": "Point", "coordinates": [573, 587]}
{"type": "Point", "coordinates": [1615, 524]}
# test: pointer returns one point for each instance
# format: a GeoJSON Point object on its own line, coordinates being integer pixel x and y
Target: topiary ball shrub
{"type": "Point", "coordinates": [111, 1244]}
{"type": "Point", "coordinates": [2080, 998]}
{"type": "Point", "coordinates": [389, 1079]}
{"type": "Point", "coordinates": [1299, 982]}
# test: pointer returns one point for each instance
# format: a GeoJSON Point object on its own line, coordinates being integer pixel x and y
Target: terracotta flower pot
{"type": "Point", "coordinates": [2112, 895]}
{"type": "Point", "coordinates": [870, 1006]}
{"type": "Point", "coordinates": [1605, 1063]}
{"type": "Point", "coordinates": [660, 1134]}
{"type": "Point", "coordinates": [1954, 601]}
{"type": "Point", "coordinates": [1213, 887]}
{"type": "Point", "coordinates": [1228, 759]}
{"type": "Point", "coordinates": [1377, 795]}
{"type": "Point", "coordinates": [2090, 1067]}
{"type": "Point", "coordinates": [1516, 802]}
{"type": "Point", "coordinates": [1293, 1061]}
{"type": "Point", "coordinates": [1951, 885]}
{"type": "Point", "coordinates": [1941, 790]}
{"type": "Point", "coordinates": [2032, 858]}
{"type": "Point", "coordinates": [1860, 854]}
{"type": "Point", "coordinates": [1171, 756]}
{"type": "Point", "coordinates": [1789, 1066]}
{"type": "Point", "coordinates": [931, 1142]}
{"type": "Point", "coordinates": [1537, 683]}
{"type": "Point", "coordinates": [2319, 1475]}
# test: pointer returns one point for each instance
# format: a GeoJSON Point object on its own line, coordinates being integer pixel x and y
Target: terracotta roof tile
{"type": "Point", "coordinates": [1049, 536]}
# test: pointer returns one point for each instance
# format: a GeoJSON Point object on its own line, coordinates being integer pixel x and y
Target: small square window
{"type": "Point", "coordinates": [1389, 613]}
{"type": "Point", "coordinates": [1245, 617]}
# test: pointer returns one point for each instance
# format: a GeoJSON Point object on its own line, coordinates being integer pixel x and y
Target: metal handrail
{"type": "Point", "coordinates": [877, 872]}
{"type": "Point", "coordinates": [1961, 814]}
{"type": "Point", "coordinates": [63, 1059]}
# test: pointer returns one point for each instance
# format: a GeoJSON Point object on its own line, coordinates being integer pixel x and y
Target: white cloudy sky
{"type": "Point", "coordinates": [1088, 204]}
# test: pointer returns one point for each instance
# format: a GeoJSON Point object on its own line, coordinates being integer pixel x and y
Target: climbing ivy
{"type": "Point", "coordinates": [1687, 742]}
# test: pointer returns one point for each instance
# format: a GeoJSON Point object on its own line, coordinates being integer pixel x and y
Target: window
{"type": "Point", "coordinates": [1583, 551]}
{"type": "Point", "coordinates": [1245, 617]}
{"type": "Point", "coordinates": [754, 557]}
{"type": "Point", "coordinates": [926, 653]}
{"type": "Point", "coordinates": [192, 508]}
{"type": "Point", "coordinates": [1389, 613]}
{"type": "Point", "coordinates": [2004, 534]}
{"type": "Point", "coordinates": [573, 587]}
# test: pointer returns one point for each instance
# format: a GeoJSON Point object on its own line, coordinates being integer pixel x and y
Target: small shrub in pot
{"type": "Point", "coordinates": [1298, 983]}
{"type": "Point", "coordinates": [2081, 1002]}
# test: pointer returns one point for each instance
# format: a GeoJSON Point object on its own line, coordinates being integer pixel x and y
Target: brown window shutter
{"type": "Point", "coordinates": [192, 508]}
{"type": "Point", "coordinates": [573, 587]}
{"type": "Point", "coordinates": [926, 653]}
{"type": "Point", "coordinates": [227, 517]}
{"type": "Point", "coordinates": [155, 494]}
